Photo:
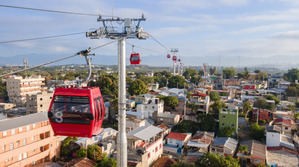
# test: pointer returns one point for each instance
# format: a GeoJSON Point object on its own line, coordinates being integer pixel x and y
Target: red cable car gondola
{"type": "Point", "coordinates": [174, 58]}
{"type": "Point", "coordinates": [135, 58]}
{"type": "Point", "coordinates": [77, 112]}
{"type": "Point", "coordinates": [168, 56]}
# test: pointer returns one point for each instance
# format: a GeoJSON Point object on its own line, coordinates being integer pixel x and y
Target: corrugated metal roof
{"type": "Point", "coordinates": [145, 132]}
{"type": "Point", "coordinates": [22, 121]}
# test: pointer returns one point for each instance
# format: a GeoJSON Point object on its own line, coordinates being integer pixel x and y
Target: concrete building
{"type": "Point", "coordinates": [6, 106]}
{"type": "Point", "coordinates": [133, 123]}
{"type": "Point", "coordinates": [224, 146]}
{"type": "Point", "coordinates": [228, 117]}
{"type": "Point", "coordinates": [256, 153]}
{"type": "Point", "coordinates": [202, 102]}
{"type": "Point", "coordinates": [39, 102]}
{"type": "Point", "coordinates": [149, 107]}
{"type": "Point", "coordinates": [145, 145]}
{"type": "Point", "coordinates": [167, 118]}
{"type": "Point", "coordinates": [27, 141]}
{"type": "Point", "coordinates": [18, 87]}
{"type": "Point", "coordinates": [176, 142]}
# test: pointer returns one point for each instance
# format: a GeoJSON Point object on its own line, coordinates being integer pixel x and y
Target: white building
{"type": "Point", "coordinates": [149, 107]}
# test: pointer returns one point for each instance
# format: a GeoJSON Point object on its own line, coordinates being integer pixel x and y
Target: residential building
{"type": "Point", "coordinates": [224, 146]}
{"type": "Point", "coordinates": [145, 145]}
{"type": "Point", "coordinates": [228, 117]}
{"type": "Point", "coordinates": [199, 144]}
{"type": "Point", "coordinates": [133, 123]}
{"type": "Point", "coordinates": [164, 161]}
{"type": "Point", "coordinates": [149, 107]}
{"type": "Point", "coordinates": [27, 140]}
{"type": "Point", "coordinates": [261, 114]}
{"type": "Point", "coordinates": [38, 102]}
{"type": "Point", "coordinates": [202, 102]}
{"type": "Point", "coordinates": [6, 106]}
{"type": "Point", "coordinates": [277, 140]}
{"type": "Point", "coordinates": [165, 128]}
{"type": "Point", "coordinates": [281, 158]}
{"type": "Point", "coordinates": [176, 142]}
{"type": "Point", "coordinates": [167, 118]}
{"type": "Point", "coordinates": [256, 153]}
{"type": "Point", "coordinates": [18, 87]}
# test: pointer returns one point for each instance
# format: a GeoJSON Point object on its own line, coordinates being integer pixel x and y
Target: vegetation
{"type": "Point", "coordinates": [293, 90]}
{"type": "Point", "coordinates": [257, 132]}
{"type": "Point", "coordinates": [246, 108]}
{"type": "Point", "coordinates": [214, 96]}
{"type": "Point", "coordinates": [94, 152]}
{"type": "Point", "coordinates": [3, 92]}
{"type": "Point", "coordinates": [217, 106]}
{"type": "Point", "coordinates": [106, 162]}
{"type": "Point", "coordinates": [272, 97]}
{"type": "Point", "coordinates": [107, 83]}
{"type": "Point", "coordinates": [81, 153]}
{"type": "Point", "coordinates": [207, 122]}
{"type": "Point", "coordinates": [216, 160]}
{"type": "Point", "coordinates": [177, 82]}
{"type": "Point", "coordinates": [170, 101]}
{"type": "Point", "coordinates": [186, 126]}
{"type": "Point", "coordinates": [243, 149]}
{"type": "Point", "coordinates": [228, 72]}
{"type": "Point", "coordinates": [137, 87]}
{"type": "Point", "coordinates": [226, 132]}
{"type": "Point", "coordinates": [262, 103]}
{"type": "Point", "coordinates": [297, 104]}
{"type": "Point", "coordinates": [189, 72]}
{"type": "Point", "coordinates": [65, 150]}
{"type": "Point", "coordinates": [292, 75]}
{"type": "Point", "coordinates": [195, 79]}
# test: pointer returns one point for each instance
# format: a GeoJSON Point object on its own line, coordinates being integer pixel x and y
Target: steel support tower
{"type": "Point", "coordinates": [124, 29]}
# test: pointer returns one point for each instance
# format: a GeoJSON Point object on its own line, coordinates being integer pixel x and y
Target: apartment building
{"type": "Point", "coordinates": [18, 87]}
{"type": "Point", "coordinates": [39, 102]}
{"type": "Point", "coordinates": [27, 141]}
{"type": "Point", "coordinates": [228, 117]}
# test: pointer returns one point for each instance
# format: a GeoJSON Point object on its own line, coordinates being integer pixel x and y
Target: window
{"type": "Point", "coordinates": [20, 157]}
{"type": "Point", "coordinates": [156, 149]}
{"type": "Point", "coordinates": [11, 146]}
{"type": "Point", "coordinates": [13, 131]}
{"type": "Point", "coordinates": [33, 138]}
{"type": "Point", "coordinates": [160, 145]}
{"type": "Point", "coordinates": [20, 129]}
{"type": "Point", "coordinates": [18, 143]}
{"type": "Point", "coordinates": [24, 155]}
{"type": "Point", "coordinates": [41, 105]}
{"type": "Point", "coordinates": [223, 116]}
{"type": "Point", "coordinates": [286, 128]}
{"type": "Point", "coordinates": [41, 99]}
{"type": "Point", "coordinates": [27, 127]}
{"type": "Point", "coordinates": [4, 147]}
{"type": "Point", "coordinates": [4, 133]}
{"type": "Point", "coordinates": [24, 142]}
{"type": "Point", "coordinates": [34, 125]}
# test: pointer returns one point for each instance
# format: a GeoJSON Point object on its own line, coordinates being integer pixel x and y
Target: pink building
{"type": "Point", "coordinates": [27, 141]}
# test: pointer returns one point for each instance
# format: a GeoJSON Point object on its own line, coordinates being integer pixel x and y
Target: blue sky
{"type": "Point", "coordinates": [217, 32]}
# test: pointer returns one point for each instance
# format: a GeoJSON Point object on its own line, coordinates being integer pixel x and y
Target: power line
{"type": "Point", "coordinates": [57, 60]}
{"type": "Point", "coordinates": [38, 38]}
{"type": "Point", "coordinates": [156, 40]}
{"type": "Point", "coordinates": [53, 11]}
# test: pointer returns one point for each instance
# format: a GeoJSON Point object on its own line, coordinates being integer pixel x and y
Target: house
{"type": "Point", "coordinates": [199, 144]}
{"type": "Point", "coordinates": [130, 104]}
{"type": "Point", "coordinates": [133, 123]}
{"type": "Point", "coordinates": [277, 140]}
{"type": "Point", "coordinates": [167, 118]}
{"type": "Point", "coordinates": [224, 146]}
{"type": "Point", "coordinates": [176, 142]}
{"type": "Point", "coordinates": [282, 125]}
{"type": "Point", "coordinates": [149, 107]}
{"type": "Point", "coordinates": [166, 129]}
{"type": "Point", "coordinates": [82, 162]}
{"type": "Point", "coordinates": [145, 145]}
{"type": "Point", "coordinates": [164, 161]}
{"type": "Point", "coordinates": [281, 158]}
{"type": "Point", "coordinates": [256, 153]}
{"type": "Point", "coordinates": [262, 114]}
{"type": "Point", "coordinates": [202, 102]}
{"type": "Point", "coordinates": [228, 117]}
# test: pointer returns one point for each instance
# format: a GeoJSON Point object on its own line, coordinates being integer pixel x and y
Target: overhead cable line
{"type": "Point", "coordinates": [53, 11]}
{"type": "Point", "coordinates": [38, 38]}
{"type": "Point", "coordinates": [144, 48]}
{"type": "Point", "coordinates": [156, 40]}
{"type": "Point", "coordinates": [58, 60]}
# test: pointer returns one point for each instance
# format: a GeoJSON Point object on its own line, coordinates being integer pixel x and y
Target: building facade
{"type": "Point", "coordinates": [27, 141]}
{"type": "Point", "coordinates": [18, 87]}
{"type": "Point", "coordinates": [228, 117]}
{"type": "Point", "coordinates": [38, 102]}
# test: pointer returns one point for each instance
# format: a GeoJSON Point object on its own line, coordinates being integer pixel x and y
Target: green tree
{"type": "Point", "coordinates": [81, 153]}
{"type": "Point", "coordinates": [292, 91]}
{"type": "Point", "coordinates": [182, 164]}
{"type": "Point", "coordinates": [256, 132]}
{"type": "Point", "coordinates": [137, 87]}
{"type": "Point", "coordinates": [214, 96]}
{"type": "Point", "coordinates": [228, 72]}
{"type": "Point", "coordinates": [65, 151]}
{"type": "Point", "coordinates": [212, 70]}
{"type": "Point", "coordinates": [106, 162]}
{"type": "Point", "coordinates": [246, 73]}
{"type": "Point", "coordinates": [107, 83]}
{"type": "Point", "coordinates": [217, 106]}
{"type": "Point", "coordinates": [147, 80]}
{"type": "Point", "coordinates": [186, 126]}
{"type": "Point", "coordinates": [189, 72]}
{"type": "Point", "coordinates": [246, 108]}
{"type": "Point", "coordinates": [292, 75]}
{"type": "Point", "coordinates": [216, 160]}
{"type": "Point", "coordinates": [177, 82]}
{"type": "Point", "coordinates": [195, 79]}
{"type": "Point", "coordinates": [262, 76]}
{"type": "Point", "coordinates": [207, 123]}
{"type": "Point", "coordinates": [243, 149]}
{"type": "Point", "coordinates": [170, 101]}
{"type": "Point", "coordinates": [262, 103]}
{"type": "Point", "coordinates": [272, 97]}
{"type": "Point", "coordinates": [226, 132]}
{"type": "Point", "coordinates": [94, 152]}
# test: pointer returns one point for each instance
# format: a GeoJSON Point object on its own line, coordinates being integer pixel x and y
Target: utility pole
{"type": "Point", "coordinates": [122, 30]}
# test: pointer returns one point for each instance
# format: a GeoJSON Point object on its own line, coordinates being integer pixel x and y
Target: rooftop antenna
{"type": "Point", "coordinates": [123, 29]}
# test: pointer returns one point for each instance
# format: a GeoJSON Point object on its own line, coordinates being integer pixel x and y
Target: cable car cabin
{"type": "Point", "coordinates": [135, 58]}
{"type": "Point", "coordinates": [77, 112]}
{"type": "Point", "coordinates": [168, 56]}
{"type": "Point", "coordinates": [174, 58]}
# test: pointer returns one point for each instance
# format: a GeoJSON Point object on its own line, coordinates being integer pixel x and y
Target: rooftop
{"type": "Point", "coordinates": [164, 161]}
{"type": "Point", "coordinates": [23, 121]}
{"type": "Point", "coordinates": [282, 158]}
{"type": "Point", "coordinates": [177, 136]}
{"type": "Point", "coordinates": [145, 132]}
{"type": "Point", "coordinates": [226, 142]}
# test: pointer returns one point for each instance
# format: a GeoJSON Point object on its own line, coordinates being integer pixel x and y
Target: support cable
{"type": "Point", "coordinates": [148, 49]}
{"type": "Point", "coordinates": [58, 60]}
{"type": "Point", "coordinates": [54, 11]}
{"type": "Point", "coordinates": [39, 38]}
{"type": "Point", "coordinates": [156, 40]}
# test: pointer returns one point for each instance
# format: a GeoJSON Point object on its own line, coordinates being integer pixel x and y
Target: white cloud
{"type": "Point", "coordinates": [263, 28]}
{"type": "Point", "coordinates": [234, 2]}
